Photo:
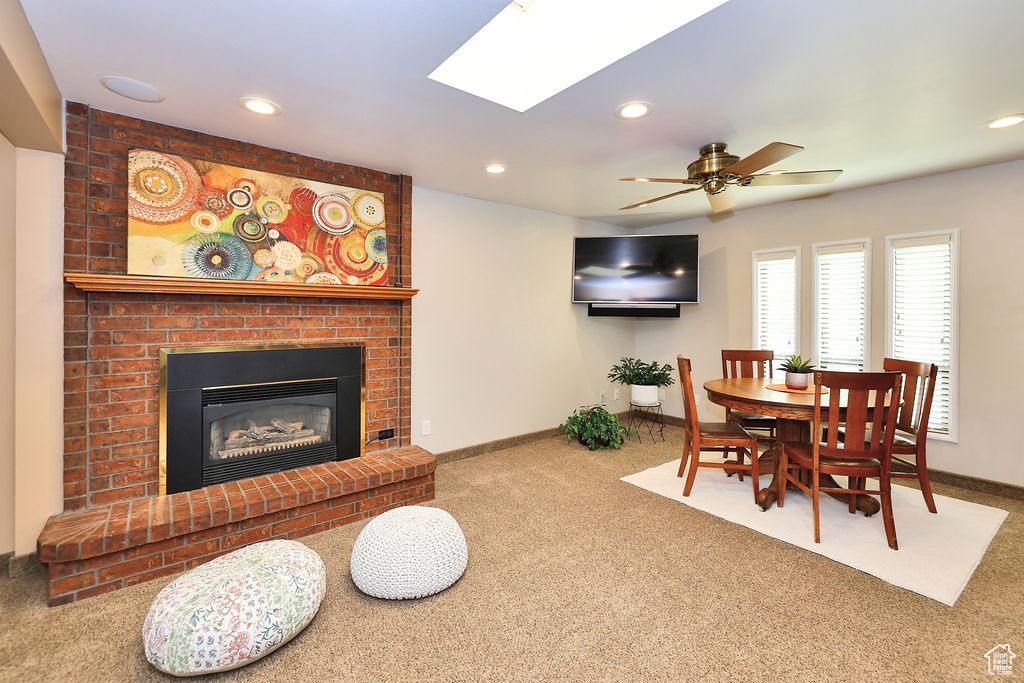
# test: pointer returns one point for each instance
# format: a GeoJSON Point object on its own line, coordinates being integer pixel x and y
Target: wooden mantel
{"type": "Point", "coordinates": [153, 284]}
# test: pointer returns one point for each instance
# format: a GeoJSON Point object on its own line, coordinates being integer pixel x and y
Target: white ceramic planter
{"type": "Point", "coordinates": [644, 394]}
{"type": "Point", "coordinates": [798, 380]}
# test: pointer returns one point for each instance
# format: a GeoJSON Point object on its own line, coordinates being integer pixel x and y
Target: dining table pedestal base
{"type": "Point", "coordinates": [768, 463]}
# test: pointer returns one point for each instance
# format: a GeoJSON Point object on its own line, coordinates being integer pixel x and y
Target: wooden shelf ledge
{"type": "Point", "coordinates": [153, 284]}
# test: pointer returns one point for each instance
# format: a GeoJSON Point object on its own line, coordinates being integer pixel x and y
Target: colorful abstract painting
{"type": "Point", "coordinates": [199, 219]}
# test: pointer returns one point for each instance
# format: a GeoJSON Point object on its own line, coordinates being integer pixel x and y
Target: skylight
{"type": "Point", "coordinates": [524, 56]}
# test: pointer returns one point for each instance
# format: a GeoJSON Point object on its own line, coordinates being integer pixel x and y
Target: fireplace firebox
{"type": "Point", "coordinates": [229, 413]}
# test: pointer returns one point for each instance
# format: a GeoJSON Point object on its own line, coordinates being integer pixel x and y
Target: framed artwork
{"type": "Point", "coordinates": [201, 219]}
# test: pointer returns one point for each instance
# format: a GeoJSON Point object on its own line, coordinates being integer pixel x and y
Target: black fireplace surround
{"type": "Point", "coordinates": [230, 413]}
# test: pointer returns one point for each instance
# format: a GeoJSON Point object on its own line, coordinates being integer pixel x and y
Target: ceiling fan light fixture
{"type": "Point", "coordinates": [631, 111]}
{"type": "Point", "coordinates": [495, 169]}
{"type": "Point", "coordinates": [717, 171]}
{"type": "Point", "coordinates": [1006, 121]}
{"type": "Point", "coordinates": [259, 105]}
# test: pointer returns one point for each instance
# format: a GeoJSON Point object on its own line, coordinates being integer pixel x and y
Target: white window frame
{"type": "Point", "coordinates": [954, 352]}
{"type": "Point", "coordinates": [795, 250]}
{"type": "Point", "coordinates": [865, 243]}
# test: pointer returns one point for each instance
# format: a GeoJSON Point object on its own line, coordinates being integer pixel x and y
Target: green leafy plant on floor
{"type": "Point", "coordinates": [594, 427]}
{"type": "Point", "coordinates": [635, 371]}
{"type": "Point", "coordinates": [797, 364]}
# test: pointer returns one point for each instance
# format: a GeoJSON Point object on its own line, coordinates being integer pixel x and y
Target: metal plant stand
{"type": "Point", "coordinates": [647, 416]}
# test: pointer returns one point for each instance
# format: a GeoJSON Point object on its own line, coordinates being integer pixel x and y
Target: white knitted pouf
{"type": "Point", "coordinates": [409, 552]}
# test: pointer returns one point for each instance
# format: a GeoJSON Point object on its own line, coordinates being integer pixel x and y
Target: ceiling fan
{"type": "Point", "coordinates": [716, 171]}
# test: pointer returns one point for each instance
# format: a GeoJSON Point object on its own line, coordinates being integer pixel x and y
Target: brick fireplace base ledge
{"type": "Point", "coordinates": [104, 548]}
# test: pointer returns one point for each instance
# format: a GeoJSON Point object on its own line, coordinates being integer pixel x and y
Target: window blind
{"type": "Point", "coordinates": [841, 300]}
{"type": "Point", "coordinates": [921, 311]}
{"type": "Point", "coordinates": [775, 307]}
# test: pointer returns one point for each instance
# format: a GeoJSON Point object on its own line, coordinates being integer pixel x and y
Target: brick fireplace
{"type": "Point", "coordinates": [113, 342]}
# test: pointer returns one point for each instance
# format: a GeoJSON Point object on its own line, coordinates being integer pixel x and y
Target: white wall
{"type": "Point", "coordinates": [498, 350]}
{"type": "Point", "coordinates": [985, 203]}
{"type": "Point", "coordinates": [39, 344]}
{"type": "Point", "coordinates": [8, 165]}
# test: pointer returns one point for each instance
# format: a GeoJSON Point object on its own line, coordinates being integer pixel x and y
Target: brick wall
{"type": "Point", "coordinates": [112, 341]}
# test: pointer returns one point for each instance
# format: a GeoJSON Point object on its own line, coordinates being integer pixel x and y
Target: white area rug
{"type": "Point", "coordinates": [937, 556]}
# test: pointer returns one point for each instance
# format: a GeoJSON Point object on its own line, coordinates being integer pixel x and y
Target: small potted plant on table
{"type": "Point", "coordinates": [594, 427]}
{"type": "Point", "coordinates": [643, 379]}
{"type": "Point", "coordinates": [798, 372]}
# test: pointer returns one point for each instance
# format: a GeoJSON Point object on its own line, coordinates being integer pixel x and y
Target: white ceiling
{"type": "Point", "coordinates": [884, 89]}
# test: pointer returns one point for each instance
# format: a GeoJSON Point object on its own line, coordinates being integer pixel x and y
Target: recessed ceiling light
{"type": "Point", "coordinates": [1006, 121]}
{"type": "Point", "coordinates": [495, 169]}
{"type": "Point", "coordinates": [633, 110]}
{"type": "Point", "coordinates": [258, 105]}
{"type": "Point", "coordinates": [523, 56]}
{"type": "Point", "coordinates": [131, 88]}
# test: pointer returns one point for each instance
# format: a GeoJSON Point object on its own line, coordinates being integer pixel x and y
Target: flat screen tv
{"type": "Point", "coordinates": [635, 269]}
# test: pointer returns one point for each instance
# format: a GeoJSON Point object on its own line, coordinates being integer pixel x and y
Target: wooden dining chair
{"type": "Point", "coordinates": [720, 437]}
{"type": "Point", "coordinates": [911, 437]}
{"type": "Point", "coordinates": [749, 363]}
{"type": "Point", "coordinates": [868, 423]}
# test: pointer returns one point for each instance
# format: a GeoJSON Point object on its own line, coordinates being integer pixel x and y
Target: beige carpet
{"type": "Point", "coordinates": [575, 575]}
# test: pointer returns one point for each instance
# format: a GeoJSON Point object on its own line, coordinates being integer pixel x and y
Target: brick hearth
{"type": "Point", "coordinates": [107, 547]}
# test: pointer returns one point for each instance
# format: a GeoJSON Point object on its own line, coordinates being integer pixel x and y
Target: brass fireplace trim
{"type": "Point", "coordinates": [249, 347]}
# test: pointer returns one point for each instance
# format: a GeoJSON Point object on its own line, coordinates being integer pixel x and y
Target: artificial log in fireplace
{"type": "Point", "coordinates": [230, 413]}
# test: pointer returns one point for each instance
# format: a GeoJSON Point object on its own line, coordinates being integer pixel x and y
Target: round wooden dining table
{"type": "Point", "coordinates": [793, 412]}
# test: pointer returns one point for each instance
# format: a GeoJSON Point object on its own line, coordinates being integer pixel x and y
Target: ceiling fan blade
{"type": "Point", "coordinates": [791, 178]}
{"type": "Point", "coordinates": [723, 201]}
{"type": "Point", "coordinates": [689, 181]}
{"type": "Point", "coordinates": [762, 158]}
{"type": "Point", "coordinates": [658, 199]}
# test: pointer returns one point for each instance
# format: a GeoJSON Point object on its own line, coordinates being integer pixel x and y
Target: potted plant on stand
{"type": "Point", "coordinates": [798, 372]}
{"type": "Point", "coordinates": [643, 379]}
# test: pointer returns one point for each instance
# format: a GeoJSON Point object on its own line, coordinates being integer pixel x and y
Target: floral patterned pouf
{"type": "Point", "coordinates": [234, 609]}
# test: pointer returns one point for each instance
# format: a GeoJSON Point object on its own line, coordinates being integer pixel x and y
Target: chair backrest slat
{"type": "Point", "coordinates": [747, 363]}
{"type": "Point", "coordinates": [867, 394]}
{"type": "Point", "coordinates": [689, 402]}
{"type": "Point", "coordinates": [918, 390]}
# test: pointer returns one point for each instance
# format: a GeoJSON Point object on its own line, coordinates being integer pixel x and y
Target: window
{"type": "Point", "coordinates": [777, 300]}
{"type": "Point", "coordinates": [841, 314]}
{"type": "Point", "coordinates": [921, 314]}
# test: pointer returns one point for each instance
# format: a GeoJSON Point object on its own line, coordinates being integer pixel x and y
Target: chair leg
{"type": "Point", "coordinates": [782, 476]}
{"type": "Point", "coordinates": [754, 473]}
{"type": "Point", "coordinates": [687, 445]}
{"type": "Point", "coordinates": [692, 474]}
{"type": "Point", "coordinates": [890, 523]}
{"type": "Point", "coordinates": [854, 484]}
{"type": "Point", "coordinates": [739, 461]}
{"type": "Point", "coordinates": [922, 476]}
{"type": "Point", "coordinates": [815, 499]}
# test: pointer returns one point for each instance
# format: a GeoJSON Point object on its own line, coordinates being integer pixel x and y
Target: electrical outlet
{"type": "Point", "coordinates": [661, 394]}
{"type": "Point", "coordinates": [602, 397]}
{"type": "Point", "coordinates": [385, 434]}
{"type": "Point", "coordinates": [615, 394]}
{"type": "Point", "coordinates": [425, 428]}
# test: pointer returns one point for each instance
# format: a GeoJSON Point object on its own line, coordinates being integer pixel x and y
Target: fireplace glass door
{"type": "Point", "coordinates": [267, 427]}
{"type": "Point", "coordinates": [284, 425]}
